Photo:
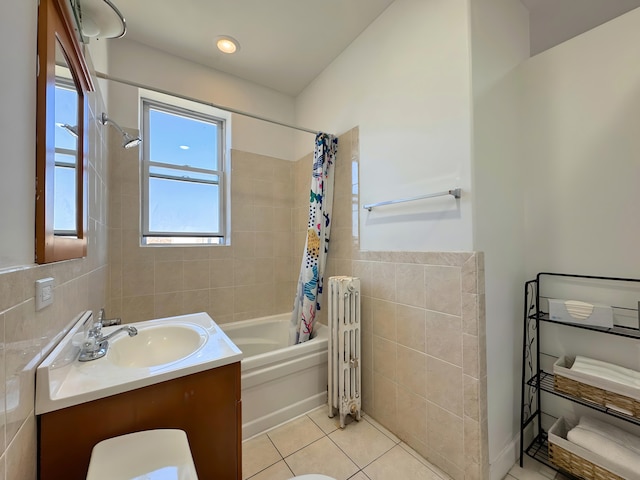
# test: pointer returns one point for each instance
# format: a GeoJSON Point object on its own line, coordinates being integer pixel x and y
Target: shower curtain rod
{"type": "Point", "coordinates": [104, 76]}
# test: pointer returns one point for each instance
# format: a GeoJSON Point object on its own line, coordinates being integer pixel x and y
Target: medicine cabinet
{"type": "Point", "coordinates": [61, 137]}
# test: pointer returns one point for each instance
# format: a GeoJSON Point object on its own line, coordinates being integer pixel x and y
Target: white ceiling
{"type": "Point", "coordinates": [285, 44]}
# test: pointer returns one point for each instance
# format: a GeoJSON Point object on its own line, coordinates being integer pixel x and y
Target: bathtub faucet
{"type": "Point", "coordinates": [95, 345]}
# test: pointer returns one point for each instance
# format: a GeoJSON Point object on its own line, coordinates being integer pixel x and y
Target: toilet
{"type": "Point", "coordinates": [149, 454]}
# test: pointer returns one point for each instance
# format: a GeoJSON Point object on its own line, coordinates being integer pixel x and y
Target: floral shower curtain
{"type": "Point", "coordinates": [309, 293]}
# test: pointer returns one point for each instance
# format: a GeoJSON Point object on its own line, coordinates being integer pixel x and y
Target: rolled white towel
{"type": "Point", "coordinates": [611, 450]}
{"type": "Point", "coordinates": [617, 368]}
{"type": "Point", "coordinates": [607, 371]}
{"type": "Point", "coordinates": [611, 433]}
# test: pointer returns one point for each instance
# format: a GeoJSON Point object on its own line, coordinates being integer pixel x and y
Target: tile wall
{"type": "Point", "coordinates": [27, 336]}
{"type": "Point", "coordinates": [252, 277]}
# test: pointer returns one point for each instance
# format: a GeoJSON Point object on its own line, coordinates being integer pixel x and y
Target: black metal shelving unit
{"type": "Point", "coordinates": [535, 380]}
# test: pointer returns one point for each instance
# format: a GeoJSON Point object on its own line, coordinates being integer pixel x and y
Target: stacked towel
{"type": "Point", "coordinates": [607, 371]}
{"type": "Point", "coordinates": [608, 441]}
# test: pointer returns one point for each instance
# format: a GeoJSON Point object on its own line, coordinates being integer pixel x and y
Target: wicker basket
{"type": "Point", "coordinates": [579, 461]}
{"type": "Point", "coordinates": [601, 395]}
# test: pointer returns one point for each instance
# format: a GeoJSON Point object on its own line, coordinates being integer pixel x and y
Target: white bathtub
{"type": "Point", "coordinates": [279, 382]}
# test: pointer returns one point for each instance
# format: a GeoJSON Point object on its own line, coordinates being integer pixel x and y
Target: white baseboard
{"type": "Point", "coordinates": [499, 467]}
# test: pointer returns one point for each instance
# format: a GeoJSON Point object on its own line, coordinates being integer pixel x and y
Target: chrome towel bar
{"type": "Point", "coordinates": [455, 192]}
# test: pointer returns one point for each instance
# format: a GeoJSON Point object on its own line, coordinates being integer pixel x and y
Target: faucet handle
{"type": "Point", "coordinates": [101, 315]}
{"type": "Point", "coordinates": [95, 330]}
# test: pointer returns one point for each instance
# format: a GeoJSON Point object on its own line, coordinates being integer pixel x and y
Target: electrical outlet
{"type": "Point", "coordinates": [44, 292]}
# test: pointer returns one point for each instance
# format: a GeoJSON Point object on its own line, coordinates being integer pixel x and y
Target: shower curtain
{"type": "Point", "coordinates": [309, 293]}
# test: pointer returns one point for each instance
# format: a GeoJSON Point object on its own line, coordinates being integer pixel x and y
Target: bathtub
{"type": "Point", "coordinates": [279, 382]}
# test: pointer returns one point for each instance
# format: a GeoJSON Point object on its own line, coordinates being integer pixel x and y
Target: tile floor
{"type": "Point", "coordinates": [533, 470]}
{"type": "Point", "coordinates": [314, 443]}
{"type": "Point", "coordinates": [364, 450]}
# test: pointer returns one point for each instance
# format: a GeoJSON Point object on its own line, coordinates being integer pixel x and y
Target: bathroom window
{"type": "Point", "coordinates": [184, 155]}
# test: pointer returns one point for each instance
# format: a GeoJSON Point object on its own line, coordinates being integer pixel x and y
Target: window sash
{"type": "Point", "coordinates": [182, 172]}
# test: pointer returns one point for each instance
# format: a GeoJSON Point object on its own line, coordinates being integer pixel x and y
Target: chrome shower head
{"type": "Point", "coordinates": [128, 141]}
{"type": "Point", "coordinates": [72, 129]}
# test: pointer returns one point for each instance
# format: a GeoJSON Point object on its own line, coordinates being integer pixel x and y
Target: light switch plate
{"type": "Point", "coordinates": [44, 292]}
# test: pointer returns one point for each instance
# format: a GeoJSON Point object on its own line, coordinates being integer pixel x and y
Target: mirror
{"type": "Point", "coordinates": [61, 180]}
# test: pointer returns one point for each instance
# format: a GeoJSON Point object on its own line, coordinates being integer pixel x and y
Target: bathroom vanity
{"type": "Point", "coordinates": [80, 404]}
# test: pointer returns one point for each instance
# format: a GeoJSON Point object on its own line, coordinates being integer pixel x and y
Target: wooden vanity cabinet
{"type": "Point", "coordinates": [206, 405]}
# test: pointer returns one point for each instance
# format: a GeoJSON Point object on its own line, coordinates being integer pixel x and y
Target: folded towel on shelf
{"type": "Point", "coordinates": [611, 432]}
{"type": "Point", "coordinates": [611, 442]}
{"type": "Point", "coordinates": [607, 371]}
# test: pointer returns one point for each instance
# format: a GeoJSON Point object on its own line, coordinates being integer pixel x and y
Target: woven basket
{"type": "Point", "coordinates": [596, 395]}
{"type": "Point", "coordinates": [578, 466]}
{"type": "Point", "coordinates": [579, 461]}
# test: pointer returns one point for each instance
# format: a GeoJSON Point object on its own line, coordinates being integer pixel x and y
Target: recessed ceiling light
{"type": "Point", "coordinates": [227, 44]}
{"type": "Point", "coordinates": [184, 147]}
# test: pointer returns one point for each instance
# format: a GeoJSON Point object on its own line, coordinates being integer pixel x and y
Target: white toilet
{"type": "Point", "coordinates": [161, 454]}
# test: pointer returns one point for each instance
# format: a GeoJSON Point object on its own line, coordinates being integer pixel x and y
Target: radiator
{"type": "Point", "coordinates": [345, 389]}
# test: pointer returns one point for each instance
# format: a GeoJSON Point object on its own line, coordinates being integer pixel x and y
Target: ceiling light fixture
{"type": "Point", "coordinates": [227, 44]}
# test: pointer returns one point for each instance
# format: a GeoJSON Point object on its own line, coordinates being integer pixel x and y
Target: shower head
{"type": "Point", "coordinates": [128, 141]}
{"type": "Point", "coordinates": [72, 129]}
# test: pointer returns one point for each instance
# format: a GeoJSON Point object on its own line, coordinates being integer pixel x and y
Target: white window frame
{"type": "Point", "coordinates": [196, 111]}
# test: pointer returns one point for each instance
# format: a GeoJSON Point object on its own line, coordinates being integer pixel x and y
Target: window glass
{"type": "Point", "coordinates": [183, 178]}
{"type": "Point", "coordinates": [179, 140]}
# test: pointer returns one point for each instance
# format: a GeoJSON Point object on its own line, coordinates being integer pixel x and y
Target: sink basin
{"type": "Point", "coordinates": [156, 345]}
{"type": "Point", "coordinates": [163, 349]}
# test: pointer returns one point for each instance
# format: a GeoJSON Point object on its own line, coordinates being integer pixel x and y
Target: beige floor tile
{"type": "Point", "coordinates": [425, 462]}
{"type": "Point", "coordinates": [295, 435]}
{"type": "Point", "coordinates": [320, 417]}
{"type": "Point", "coordinates": [279, 471]}
{"type": "Point", "coordinates": [322, 457]}
{"type": "Point", "coordinates": [533, 470]}
{"type": "Point", "coordinates": [258, 454]}
{"type": "Point", "coordinates": [359, 476]}
{"type": "Point", "coordinates": [382, 429]}
{"type": "Point", "coordinates": [362, 442]}
{"type": "Point", "coordinates": [398, 463]}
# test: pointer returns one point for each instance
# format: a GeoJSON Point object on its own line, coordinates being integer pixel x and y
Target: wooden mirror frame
{"type": "Point", "coordinates": [56, 24]}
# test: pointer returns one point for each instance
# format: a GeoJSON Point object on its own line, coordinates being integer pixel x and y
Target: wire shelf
{"type": "Point", "coordinates": [539, 450]}
{"type": "Point", "coordinates": [546, 385]}
{"type": "Point", "coordinates": [628, 332]}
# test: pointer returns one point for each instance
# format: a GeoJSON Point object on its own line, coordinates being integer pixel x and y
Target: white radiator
{"type": "Point", "coordinates": [345, 389]}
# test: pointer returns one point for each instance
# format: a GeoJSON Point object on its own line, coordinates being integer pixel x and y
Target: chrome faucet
{"type": "Point", "coordinates": [95, 345]}
{"type": "Point", "coordinates": [107, 322]}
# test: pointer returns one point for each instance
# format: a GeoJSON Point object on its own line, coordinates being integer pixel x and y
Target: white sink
{"type": "Point", "coordinates": [156, 345]}
{"type": "Point", "coordinates": [163, 349]}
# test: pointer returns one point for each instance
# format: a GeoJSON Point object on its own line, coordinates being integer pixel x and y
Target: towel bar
{"type": "Point", "coordinates": [455, 192]}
